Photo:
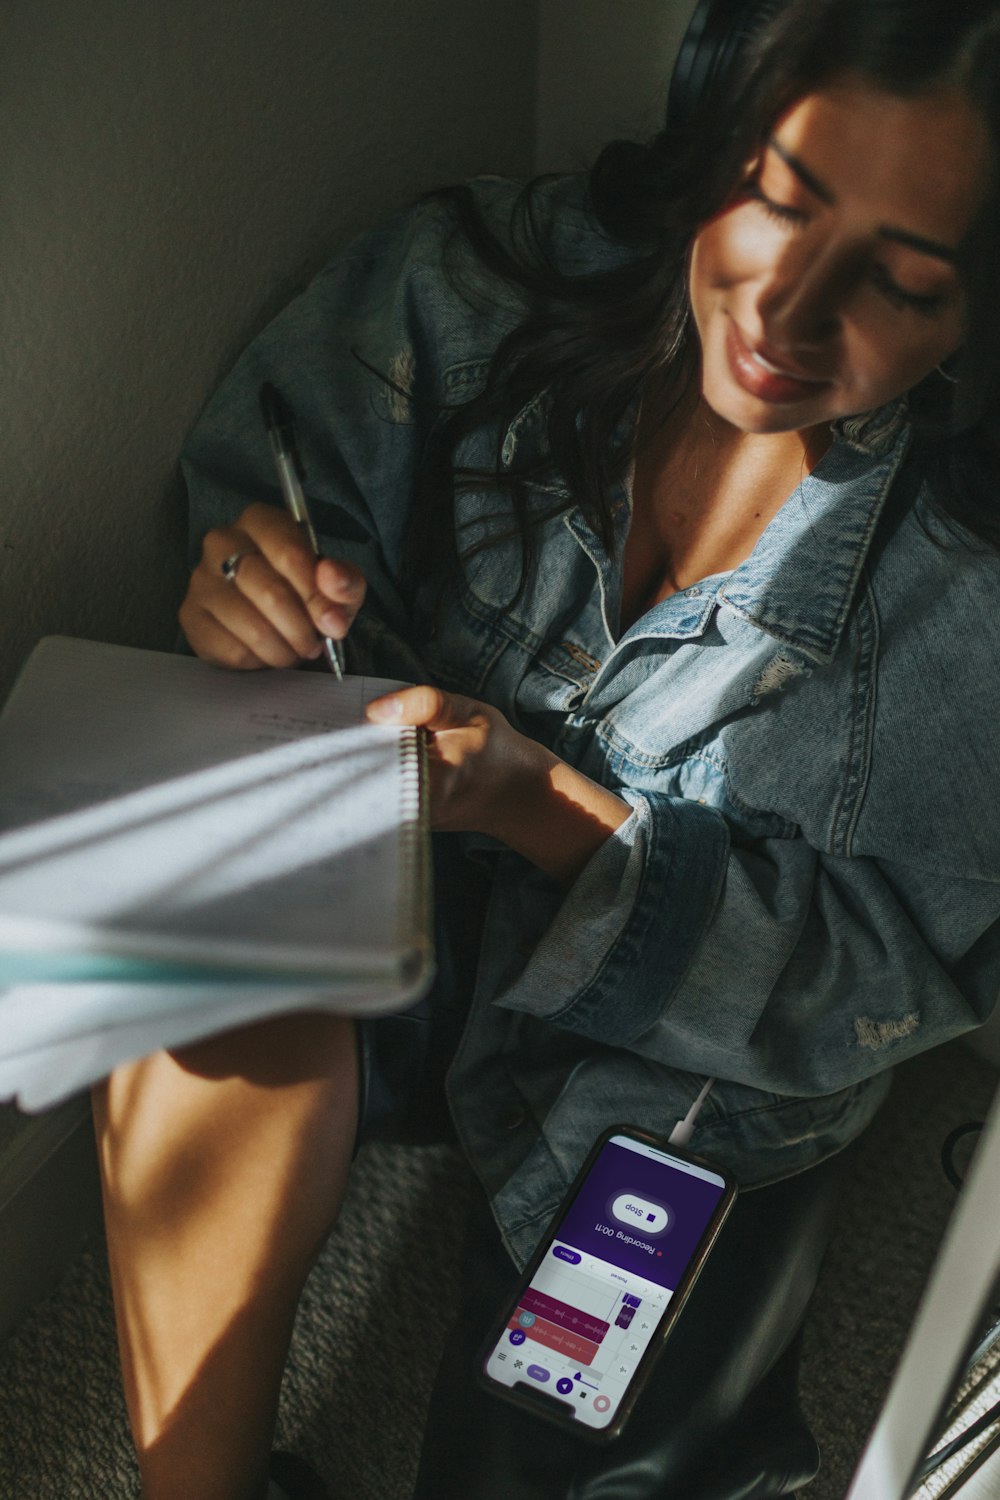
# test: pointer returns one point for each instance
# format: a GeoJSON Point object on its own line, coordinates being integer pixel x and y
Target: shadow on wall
{"type": "Point", "coordinates": [176, 171]}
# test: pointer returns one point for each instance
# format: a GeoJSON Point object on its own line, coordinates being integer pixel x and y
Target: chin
{"type": "Point", "coordinates": [750, 413]}
{"type": "Point", "coordinates": [747, 414]}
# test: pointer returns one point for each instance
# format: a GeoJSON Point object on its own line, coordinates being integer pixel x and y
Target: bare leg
{"type": "Point", "coordinates": [223, 1167]}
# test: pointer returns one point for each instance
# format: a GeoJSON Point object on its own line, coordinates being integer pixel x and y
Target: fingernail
{"type": "Point", "coordinates": [330, 623]}
{"type": "Point", "coordinates": [314, 651]}
{"type": "Point", "coordinates": [384, 709]}
{"type": "Point", "coordinates": [341, 579]}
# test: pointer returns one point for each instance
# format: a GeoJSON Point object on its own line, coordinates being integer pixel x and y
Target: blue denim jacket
{"type": "Point", "coordinates": [807, 889]}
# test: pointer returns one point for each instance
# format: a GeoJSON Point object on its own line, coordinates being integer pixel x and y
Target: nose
{"type": "Point", "coordinates": [801, 303]}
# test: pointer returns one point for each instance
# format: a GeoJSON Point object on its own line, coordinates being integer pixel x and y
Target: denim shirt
{"type": "Point", "coordinates": [807, 889]}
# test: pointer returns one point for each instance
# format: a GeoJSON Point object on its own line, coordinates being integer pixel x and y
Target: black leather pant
{"type": "Point", "coordinates": [719, 1418]}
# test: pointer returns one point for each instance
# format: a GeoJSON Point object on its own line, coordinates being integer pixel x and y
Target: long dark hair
{"type": "Point", "coordinates": [591, 343]}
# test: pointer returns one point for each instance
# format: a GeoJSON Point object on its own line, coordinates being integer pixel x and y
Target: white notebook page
{"type": "Point", "coordinates": [274, 842]}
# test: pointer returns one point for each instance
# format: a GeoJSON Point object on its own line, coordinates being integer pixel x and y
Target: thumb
{"type": "Point", "coordinates": [426, 706]}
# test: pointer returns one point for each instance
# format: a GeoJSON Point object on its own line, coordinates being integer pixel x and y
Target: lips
{"type": "Point", "coordinates": [761, 375]}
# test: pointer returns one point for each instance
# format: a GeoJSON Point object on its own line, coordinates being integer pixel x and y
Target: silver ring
{"type": "Point", "coordinates": [231, 566]}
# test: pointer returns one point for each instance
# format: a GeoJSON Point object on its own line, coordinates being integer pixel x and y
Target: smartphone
{"type": "Point", "coordinates": [577, 1341]}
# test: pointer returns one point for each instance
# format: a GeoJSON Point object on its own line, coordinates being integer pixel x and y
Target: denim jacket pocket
{"type": "Point", "coordinates": [463, 642]}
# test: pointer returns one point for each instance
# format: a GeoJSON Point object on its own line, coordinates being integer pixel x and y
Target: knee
{"type": "Point", "coordinates": [171, 1126]}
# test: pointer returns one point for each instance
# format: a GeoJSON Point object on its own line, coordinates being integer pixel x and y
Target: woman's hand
{"type": "Point", "coordinates": [485, 777]}
{"type": "Point", "coordinates": [273, 611]}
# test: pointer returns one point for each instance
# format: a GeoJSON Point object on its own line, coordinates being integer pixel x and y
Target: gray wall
{"type": "Point", "coordinates": [170, 171]}
{"type": "Point", "coordinates": [603, 70]}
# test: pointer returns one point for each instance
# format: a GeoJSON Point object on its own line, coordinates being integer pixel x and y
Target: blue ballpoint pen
{"type": "Point", "coordinates": [280, 426]}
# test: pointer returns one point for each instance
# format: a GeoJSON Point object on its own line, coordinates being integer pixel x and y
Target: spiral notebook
{"type": "Point", "coordinates": [185, 849]}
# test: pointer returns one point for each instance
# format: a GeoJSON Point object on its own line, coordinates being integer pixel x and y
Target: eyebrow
{"type": "Point", "coordinates": [918, 242]}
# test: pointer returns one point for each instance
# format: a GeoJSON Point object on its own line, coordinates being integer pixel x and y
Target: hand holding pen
{"type": "Point", "coordinates": [259, 596]}
{"type": "Point", "coordinates": [281, 430]}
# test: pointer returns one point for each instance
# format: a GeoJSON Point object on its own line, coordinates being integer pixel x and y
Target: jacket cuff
{"type": "Point", "coordinates": [629, 927]}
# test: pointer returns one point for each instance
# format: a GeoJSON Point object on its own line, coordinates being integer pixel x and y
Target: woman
{"type": "Point", "coordinates": [672, 492]}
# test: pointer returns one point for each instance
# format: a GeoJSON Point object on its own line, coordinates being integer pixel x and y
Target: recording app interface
{"type": "Point", "coordinates": [600, 1291]}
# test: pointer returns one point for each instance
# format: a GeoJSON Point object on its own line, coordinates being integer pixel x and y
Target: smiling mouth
{"type": "Point", "coordinates": [759, 375]}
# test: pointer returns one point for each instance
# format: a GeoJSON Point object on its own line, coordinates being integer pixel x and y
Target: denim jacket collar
{"type": "Point", "coordinates": [799, 582]}
{"type": "Point", "coordinates": [875, 432]}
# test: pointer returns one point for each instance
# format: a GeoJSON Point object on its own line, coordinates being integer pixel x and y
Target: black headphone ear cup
{"type": "Point", "coordinates": [710, 53]}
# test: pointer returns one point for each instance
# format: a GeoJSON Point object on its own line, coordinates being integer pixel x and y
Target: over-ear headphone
{"type": "Point", "coordinates": [710, 53]}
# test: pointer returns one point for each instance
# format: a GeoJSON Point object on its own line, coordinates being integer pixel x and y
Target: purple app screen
{"type": "Point", "coordinates": [644, 1215]}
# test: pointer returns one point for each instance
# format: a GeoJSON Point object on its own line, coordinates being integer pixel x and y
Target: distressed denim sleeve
{"type": "Point", "coordinates": [828, 968]}
{"type": "Point", "coordinates": [767, 962]}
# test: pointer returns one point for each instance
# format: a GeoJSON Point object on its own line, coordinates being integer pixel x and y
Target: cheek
{"type": "Point", "coordinates": [732, 248]}
{"type": "Point", "coordinates": [887, 360]}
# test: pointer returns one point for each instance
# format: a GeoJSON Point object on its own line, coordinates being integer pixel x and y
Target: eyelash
{"type": "Point", "coordinates": [926, 303]}
{"type": "Point", "coordinates": [780, 211]}
{"type": "Point", "coordinates": [897, 296]}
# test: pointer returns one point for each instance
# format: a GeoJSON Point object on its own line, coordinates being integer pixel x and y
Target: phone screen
{"type": "Point", "coordinates": [606, 1278]}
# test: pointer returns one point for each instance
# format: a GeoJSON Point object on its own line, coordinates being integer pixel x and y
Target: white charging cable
{"type": "Point", "coordinates": [684, 1129]}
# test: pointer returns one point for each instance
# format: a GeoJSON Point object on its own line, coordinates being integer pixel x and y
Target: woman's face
{"type": "Point", "coordinates": [828, 285]}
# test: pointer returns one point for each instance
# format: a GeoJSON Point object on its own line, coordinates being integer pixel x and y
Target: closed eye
{"type": "Point", "coordinates": [782, 212]}
{"type": "Point", "coordinates": [927, 303]}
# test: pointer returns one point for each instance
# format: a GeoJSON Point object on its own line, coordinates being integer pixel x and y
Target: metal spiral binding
{"type": "Point", "coordinates": [415, 850]}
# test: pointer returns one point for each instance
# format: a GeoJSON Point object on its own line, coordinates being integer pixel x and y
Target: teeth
{"type": "Point", "coordinates": [766, 364]}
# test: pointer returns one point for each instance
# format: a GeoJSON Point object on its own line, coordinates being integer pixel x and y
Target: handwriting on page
{"type": "Point", "coordinates": [300, 839]}
{"type": "Point", "coordinates": [192, 715]}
